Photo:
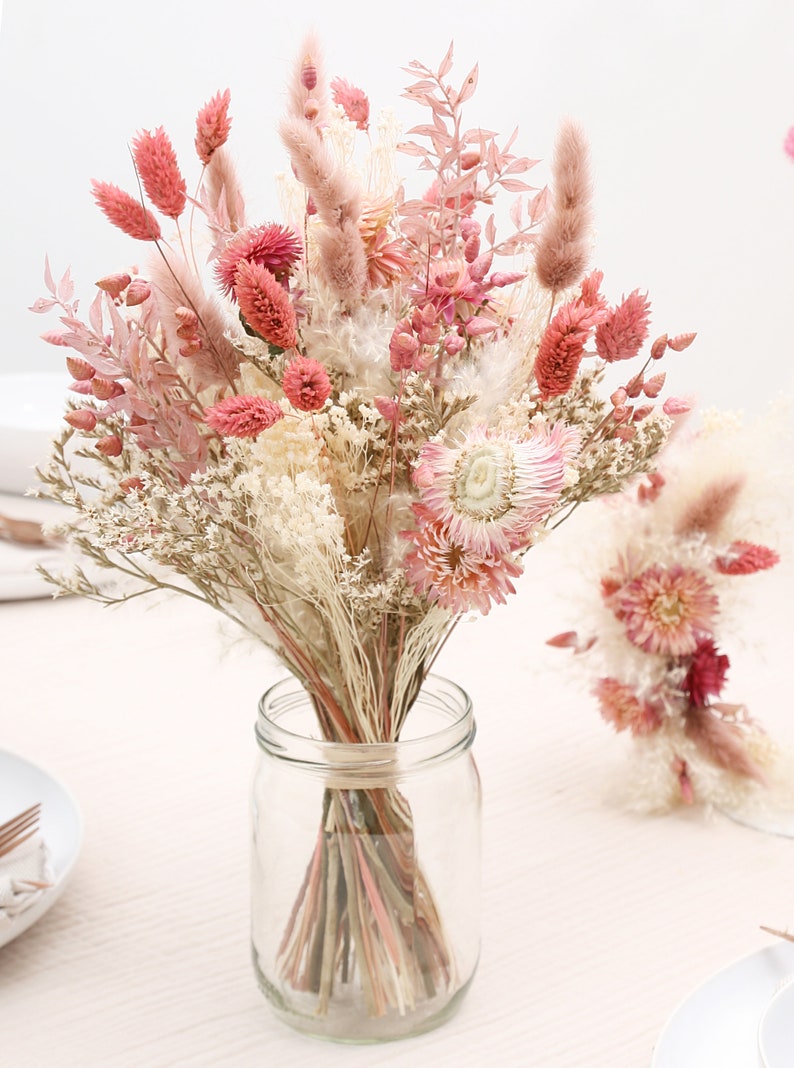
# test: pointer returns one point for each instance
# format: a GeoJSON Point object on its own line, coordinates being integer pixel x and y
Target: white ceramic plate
{"type": "Point", "coordinates": [776, 1030]}
{"type": "Point", "coordinates": [717, 1024]}
{"type": "Point", "coordinates": [32, 406]}
{"type": "Point", "coordinates": [23, 784]}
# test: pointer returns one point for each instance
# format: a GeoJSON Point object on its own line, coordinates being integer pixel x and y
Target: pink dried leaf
{"type": "Point", "coordinates": [514, 185]}
{"type": "Point", "coordinates": [54, 337]}
{"type": "Point", "coordinates": [49, 281]}
{"type": "Point", "coordinates": [469, 85]}
{"type": "Point", "coordinates": [446, 63]}
{"type": "Point", "coordinates": [42, 304]}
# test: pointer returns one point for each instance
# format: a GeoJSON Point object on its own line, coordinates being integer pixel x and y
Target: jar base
{"type": "Point", "coordinates": [347, 1021]}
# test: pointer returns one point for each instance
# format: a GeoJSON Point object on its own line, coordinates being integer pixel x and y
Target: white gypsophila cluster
{"type": "Point", "coordinates": [352, 440]}
{"type": "Point", "coordinates": [289, 446]}
{"type": "Point", "coordinates": [295, 520]}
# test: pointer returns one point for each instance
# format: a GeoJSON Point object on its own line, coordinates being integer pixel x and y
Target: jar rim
{"type": "Point", "coordinates": [446, 700]}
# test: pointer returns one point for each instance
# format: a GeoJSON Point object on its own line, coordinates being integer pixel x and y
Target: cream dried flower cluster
{"type": "Point", "coordinates": [346, 428]}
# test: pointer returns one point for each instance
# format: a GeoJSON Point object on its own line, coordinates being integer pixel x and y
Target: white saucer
{"type": "Point", "coordinates": [32, 406]}
{"type": "Point", "coordinates": [23, 784]}
{"type": "Point", "coordinates": [717, 1024]}
{"type": "Point", "coordinates": [776, 1030]}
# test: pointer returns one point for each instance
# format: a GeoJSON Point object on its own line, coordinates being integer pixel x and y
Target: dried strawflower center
{"type": "Point", "coordinates": [483, 480]}
{"type": "Point", "coordinates": [668, 608]}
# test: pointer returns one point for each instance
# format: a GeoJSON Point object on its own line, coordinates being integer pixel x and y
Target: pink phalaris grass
{"type": "Point", "coordinates": [271, 245]}
{"type": "Point", "coordinates": [265, 305]}
{"type": "Point", "coordinates": [213, 126]}
{"type": "Point", "coordinates": [709, 510]}
{"type": "Point", "coordinates": [353, 101]}
{"type": "Point", "coordinates": [157, 166]}
{"type": "Point", "coordinates": [562, 348]}
{"type": "Point", "coordinates": [788, 143]}
{"type": "Point", "coordinates": [745, 558]}
{"type": "Point", "coordinates": [624, 328]}
{"type": "Point", "coordinates": [306, 384]}
{"type": "Point", "coordinates": [708, 670]}
{"type": "Point", "coordinates": [114, 284]}
{"type": "Point", "coordinates": [243, 416]}
{"type": "Point", "coordinates": [676, 406]}
{"type": "Point", "coordinates": [137, 292]}
{"type": "Point", "coordinates": [81, 419]}
{"type": "Point", "coordinates": [720, 742]}
{"type": "Point", "coordinates": [563, 245]}
{"type": "Point", "coordinates": [80, 370]}
{"type": "Point", "coordinates": [125, 212]}
{"type": "Point", "coordinates": [104, 389]}
{"type": "Point", "coordinates": [109, 445]}
{"type": "Point", "coordinates": [681, 341]}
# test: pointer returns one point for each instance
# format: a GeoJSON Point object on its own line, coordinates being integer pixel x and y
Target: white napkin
{"type": "Point", "coordinates": [25, 874]}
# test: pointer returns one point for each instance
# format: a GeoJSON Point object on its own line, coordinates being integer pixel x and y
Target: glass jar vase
{"type": "Point", "coordinates": [366, 868]}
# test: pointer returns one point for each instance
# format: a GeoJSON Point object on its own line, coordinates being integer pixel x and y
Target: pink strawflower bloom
{"type": "Point", "coordinates": [243, 416]}
{"type": "Point", "coordinates": [745, 558]}
{"type": "Point", "coordinates": [213, 125]}
{"type": "Point", "coordinates": [707, 673]}
{"type": "Point", "coordinates": [667, 610]}
{"type": "Point", "coordinates": [125, 212]}
{"type": "Point", "coordinates": [562, 347]}
{"type": "Point", "coordinates": [273, 246]}
{"type": "Point", "coordinates": [265, 305]}
{"type": "Point", "coordinates": [353, 101]}
{"type": "Point", "coordinates": [306, 384]}
{"type": "Point", "coordinates": [492, 491]}
{"type": "Point", "coordinates": [456, 576]}
{"type": "Point", "coordinates": [621, 707]}
{"type": "Point", "coordinates": [620, 335]}
{"type": "Point", "coordinates": [449, 282]}
{"type": "Point", "coordinates": [157, 165]}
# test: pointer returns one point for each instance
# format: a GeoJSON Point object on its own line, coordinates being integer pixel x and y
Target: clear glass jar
{"type": "Point", "coordinates": [366, 868]}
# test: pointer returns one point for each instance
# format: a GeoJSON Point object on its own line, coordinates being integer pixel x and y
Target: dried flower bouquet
{"type": "Point", "coordinates": [345, 429]}
{"type": "Point", "coordinates": [669, 565]}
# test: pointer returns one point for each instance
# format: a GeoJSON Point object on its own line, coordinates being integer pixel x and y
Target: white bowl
{"type": "Point", "coordinates": [32, 407]}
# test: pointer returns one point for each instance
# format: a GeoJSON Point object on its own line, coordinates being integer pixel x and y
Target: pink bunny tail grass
{"type": "Point", "coordinates": [337, 199]}
{"type": "Point", "coordinates": [213, 126]}
{"type": "Point", "coordinates": [157, 165]}
{"type": "Point", "coordinates": [710, 509]}
{"type": "Point", "coordinates": [563, 247]}
{"type": "Point", "coordinates": [265, 305]}
{"type": "Point", "coordinates": [125, 212]}
{"type": "Point", "coordinates": [175, 287]}
{"type": "Point", "coordinates": [307, 88]}
{"type": "Point", "coordinates": [243, 416]}
{"type": "Point", "coordinates": [344, 261]}
{"type": "Point", "coordinates": [224, 191]}
{"type": "Point", "coordinates": [335, 194]}
{"type": "Point", "coordinates": [720, 742]}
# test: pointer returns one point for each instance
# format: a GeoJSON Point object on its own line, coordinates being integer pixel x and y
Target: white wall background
{"type": "Point", "coordinates": [686, 105]}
